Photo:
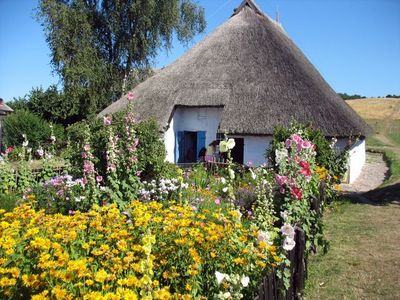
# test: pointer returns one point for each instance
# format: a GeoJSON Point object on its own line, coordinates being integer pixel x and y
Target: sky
{"type": "Point", "coordinates": [355, 44]}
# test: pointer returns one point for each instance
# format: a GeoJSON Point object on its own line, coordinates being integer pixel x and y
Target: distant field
{"type": "Point", "coordinates": [377, 108]}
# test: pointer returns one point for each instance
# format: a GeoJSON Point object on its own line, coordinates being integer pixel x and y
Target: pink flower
{"type": "Point", "coordinates": [217, 201]}
{"type": "Point", "coordinates": [297, 138]}
{"type": "Point", "coordinates": [138, 173]}
{"type": "Point", "coordinates": [111, 168]}
{"type": "Point", "coordinates": [86, 147]}
{"type": "Point", "coordinates": [281, 180]}
{"type": "Point", "coordinates": [131, 96]}
{"type": "Point", "coordinates": [282, 190]}
{"type": "Point", "coordinates": [88, 166]}
{"type": "Point", "coordinates": [84, 155]}
{"type": "Point", "coordinates": [296, 193]}
{"type": "Point", "coordinates": [306, 144]}
{"type": "Point", "coordinates": [9, 150]}
{"type": "Point", "coordinates": [107, 120]}
{"type": "Point", "coordinates": [99, 178]}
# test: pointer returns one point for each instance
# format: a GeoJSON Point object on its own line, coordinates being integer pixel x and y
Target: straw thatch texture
{"type": "Point", "coordinates": [249, 66]}
{"type": "Point", "coordinates": [4, 108]}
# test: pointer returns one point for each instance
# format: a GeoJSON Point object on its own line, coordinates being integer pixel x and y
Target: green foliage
{"type": "Point", "coordinates": [150, 151]}
{"type": "Point", "coordinates": [345, 96]}
{"type": "Point", "coordinates": [101, 48]}
{"type": "Point", "coordinates": [49, 104]}
{"type": "Point", "coordinates": [8, 201]}
{"type": "Point", "coordinates": [37, 130]}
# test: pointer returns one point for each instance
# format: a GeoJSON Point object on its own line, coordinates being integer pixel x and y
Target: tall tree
{"type": "Point", "coordinates": [97, 45]}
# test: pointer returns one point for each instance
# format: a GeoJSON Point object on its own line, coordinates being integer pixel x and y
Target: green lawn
{"type": "Point", "coordinates": [364, 259]}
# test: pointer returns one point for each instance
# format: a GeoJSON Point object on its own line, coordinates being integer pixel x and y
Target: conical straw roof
{"type": "Point", "coordinates": [251, 68]}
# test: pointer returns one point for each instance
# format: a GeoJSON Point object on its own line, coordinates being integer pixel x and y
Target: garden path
{"type": "Point", "coordinates": [373, 174]}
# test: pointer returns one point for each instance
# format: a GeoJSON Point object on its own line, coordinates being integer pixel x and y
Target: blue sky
{"type": "Point", "coordinates": [355, 44]}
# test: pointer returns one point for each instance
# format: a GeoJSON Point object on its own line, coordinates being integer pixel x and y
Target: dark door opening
{"type": "Point", "coordinates": [190, 147]}
{"type": "Point", "coordinates": [237, 151]}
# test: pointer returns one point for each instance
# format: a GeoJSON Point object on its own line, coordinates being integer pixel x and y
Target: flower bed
{"type": "Point", "coordinates": [151, 250]}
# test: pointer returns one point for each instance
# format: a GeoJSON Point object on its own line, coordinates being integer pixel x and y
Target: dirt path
{"type": "Point", "coordinates": [373, 174]}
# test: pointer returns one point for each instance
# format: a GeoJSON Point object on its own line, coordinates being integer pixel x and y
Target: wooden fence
{"type": "Point", "coordinates": [272, 287]}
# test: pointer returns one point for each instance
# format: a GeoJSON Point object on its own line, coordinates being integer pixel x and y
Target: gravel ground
{"type": "Point", "coordinates": [373, 174]}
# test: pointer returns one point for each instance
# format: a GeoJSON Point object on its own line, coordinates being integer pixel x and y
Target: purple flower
{"type": "Point", "coordinates": [281, 180]}
{"type": "Point", "coordinates": [288, 143]}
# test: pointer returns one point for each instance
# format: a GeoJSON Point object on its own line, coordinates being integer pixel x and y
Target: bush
{"type": "Point", "coordinates": [326, 156]}
{"type": "Point", "coordinates": [36, 129]}
{"type": "Point", "coordinates": [150, 151]}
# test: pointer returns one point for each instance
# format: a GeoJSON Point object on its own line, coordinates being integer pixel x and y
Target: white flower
{"type": "Point", "coordinates": [263, 236]}
{"type": "Point", "coordinates": [227, 295]}
{"type": "Point", "coordinates": [225, 189]}
{"type": "Point", "coordinates": [223, 146]}
{"type": "Point", "coordinates": [245, 280]}
{"type": "Point", "coordinates": [284, 214]}
{"type": "Point", "coordinates": [288, 230]}
{"type": "Point", "coordinates": [281, 155]}
{"type": "Point", "coordinates": [25, 143]}
{"type": "Point", "coordinates": [29, 150]}
{"type": "Point", "coordinates": [253, 175]}
{"type": "Point", "coordinates": [288, 243]}
{"type": "Point", "coordinates": [40, 152]}
{"type": "Point", "coordinates": [231, 144]}
{"type": "Point", "coordinates": [53, 138]}
{"type": "Point", "coordinates": [220, 276]}
{"type": "Point", "coordinates": [231, 174]}
{"type": "Point", "coordinates": [223, 180]}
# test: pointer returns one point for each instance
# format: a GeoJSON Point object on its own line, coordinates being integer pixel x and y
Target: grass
{"type": "Point", "coordinates": [374, 108]}
{"type": "Point", "coordinates": [364, 258]}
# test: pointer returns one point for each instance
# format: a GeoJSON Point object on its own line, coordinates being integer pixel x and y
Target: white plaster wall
{"type": "Point", "coordinates": [356, 158]}
{"type": "Point", "coordinates": [192, 119]}
{"type": "Point", "coordinates": [169, 141]}
{"type": "Point", "coordinates": [254, 148]}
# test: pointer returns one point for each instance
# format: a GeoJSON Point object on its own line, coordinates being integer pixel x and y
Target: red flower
{"type": "Point", "coordinates": [296, 193]}
{"type": "Point", "coordinates": [305, 168]}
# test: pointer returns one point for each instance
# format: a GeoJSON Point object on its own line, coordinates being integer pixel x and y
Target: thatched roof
{"type": "Point", "coordinates": [4, 108]}
{"type": "Point", "coordinates": [251, 68]}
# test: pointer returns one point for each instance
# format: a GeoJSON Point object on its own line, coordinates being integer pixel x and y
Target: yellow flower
{"type": "Point", "coordinates": [101, 276]}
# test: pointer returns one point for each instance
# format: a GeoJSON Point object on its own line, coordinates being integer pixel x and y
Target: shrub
{"type": "Point", "coordinates": [36, 129]}
{"type": "Point", "coordinates": [150, 151]}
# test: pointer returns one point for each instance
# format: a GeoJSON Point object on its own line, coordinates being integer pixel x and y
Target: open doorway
{"type": "Point", "coordinates": [237, 151]}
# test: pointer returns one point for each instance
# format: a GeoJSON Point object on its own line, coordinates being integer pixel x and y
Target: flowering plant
{"type": "Point", "coordinates": [150, 250]}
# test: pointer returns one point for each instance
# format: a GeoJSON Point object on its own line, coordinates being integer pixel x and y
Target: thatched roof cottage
{"type": "Point", "coordinates": [244, 79]}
